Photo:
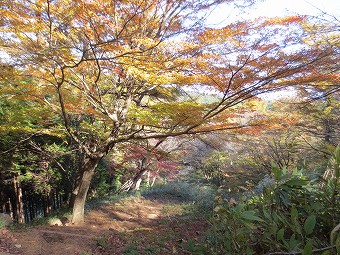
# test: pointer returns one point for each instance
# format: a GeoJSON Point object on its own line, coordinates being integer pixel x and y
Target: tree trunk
{"type": "Point", "coordinates": [136, 185]}
{"type": "Point", "coordinates": [133, 183]}
{"type": "Point", "coordinates": [19, 202]}
{"type": "Point", "coordinates": [327, 131]}
{"type": "Point", "coordinates": [10, 208]}
{"type": "Point", "coordinates": [148, 180]}
{"type": "Point", "coordinates": [82, 187]}
{"type": "Point", "coordinates": [3, 202]}
{"type": "Point", "coordinates": [153, 181]}
{"type": "Point", "coordinates": [47, 204]}
{"type": "Point", "coordinates": [138, 179]}
{"type": "Point", "coordinates": [76, 185]}
{"type": "Point", "coordinates": [327, 127]}
{"type": "Point", "coordinates": [31, 207]}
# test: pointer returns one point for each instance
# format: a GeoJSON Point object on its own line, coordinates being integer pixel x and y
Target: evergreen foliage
{"type": "Point", "coordinates": [293, 213]}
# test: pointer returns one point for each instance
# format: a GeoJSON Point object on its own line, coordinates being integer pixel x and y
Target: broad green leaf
{"type": "Point", "coordinates": [276, 171]}
{"type": "Point", "coordinates": [310, 224]}
{"type": "Point", "coordinates": [316, 206]}
{"type": "Point", "coordinates": [294, 214]}
{"type": "Point", "coordinates": [297, 182]}
{"type": "Point", "coordinates": [284, 198]}
{"type": "Point", "coordinates": [249, 251]}
{"type": "Point", "coordinates": [308, 249]}
{"type": "Point", "coordinates": [337, 245]}
{"type": "Point", "coordinates": [298, 228]}
{"type": "Point", "coordinates": [280, 234]}
{"type": "Point", "coordinates": [238, 208]}
{"type": "Point", "coordinates": [293, 242]}
{"type": "Point", "coordinates": [250, 215]}
{"type": "Point", "coordinates": [295, 171]}
{"type": "Point", "coordinates": [266, 214]}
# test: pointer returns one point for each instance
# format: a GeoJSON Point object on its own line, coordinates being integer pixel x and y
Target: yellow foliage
{"type": "Point", "coordinates": [122, 65]}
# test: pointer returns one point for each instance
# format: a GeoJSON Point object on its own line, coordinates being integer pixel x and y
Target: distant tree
{"type": "Point", "coordinates": [280, 149]}
{"type": "Point", "coordinates": [152, 157]}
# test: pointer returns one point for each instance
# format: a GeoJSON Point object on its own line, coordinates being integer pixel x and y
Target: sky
{"type": "Point", "coordinates": [277, 7]}
{"type": "Point", "coordinates": [272, 8]}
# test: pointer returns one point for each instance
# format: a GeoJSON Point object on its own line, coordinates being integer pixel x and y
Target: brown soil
{"type": "Point", "coordinates": [131, 226]}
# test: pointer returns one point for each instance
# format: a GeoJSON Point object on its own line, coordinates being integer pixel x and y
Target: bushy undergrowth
{"type": "Point", "coordinates": [2, 224]}
{"type": "Point", "coordinates": [293, 213]}
{"type": "Point", "coordinates": [110, 199]}
{"type": "Point", "coordinates": [201, 197]}
{"type": "Point", "coordinates": [58, 217]}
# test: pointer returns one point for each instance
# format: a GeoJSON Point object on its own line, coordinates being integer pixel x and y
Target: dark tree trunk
{"type": "Point", "coordinates": [3, 201]}
{"type": "Point", "coordinates": [10, 208]}
{"type": "Point", "coordinates": [327, 126]}
{"type": "Point", "coordinates": [47, 205]}
{"type": "Point", "coordinates": [82, 187]}
{"type": "Point", "coordinates": [31, 207]}
{"type": "Point", "coordinates": [327, 131]}
{"type": "Point", "coordinates": [26, 206]}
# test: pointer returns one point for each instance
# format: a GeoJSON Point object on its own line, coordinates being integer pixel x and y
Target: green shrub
{"type": "Point", "coordinates": [186, 191]}
{"type": "Point", "coordinates": [292, 214]}
{"type": "Point", "coordinates": [2, 224]}
{"type": "Point", "coordinates": [213, 167]}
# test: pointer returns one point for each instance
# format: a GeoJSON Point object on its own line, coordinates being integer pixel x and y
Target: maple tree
{"type": "Point", "coordinates": [114, 70]}
{"type": "Point", "coordinates": [315, 125]}
{"type": "Point", "coordinates": [151, 157]}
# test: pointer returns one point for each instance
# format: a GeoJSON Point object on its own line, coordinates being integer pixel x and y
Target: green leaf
{"type": "Point", "coordinates": [280, 234]}
{"type": "Point", "coordinates": [238, 208]}
{"type": "Point", "coordinates": [250, 215]}
{"type": "Point", "coordinates": [277, 172]}
{"type": "Point", "coordinates": [298, 228]}
{"type": "Point", "coordinates": [295, 171]}
{"type": "Point", "coordinates": [316, 206]}
{"type": "Point", "coordinates": [293, 242]}
{"type": "Point", "coordinates": [284, 198]}
{"type": "Point", "coordinates": [296, 182]}
{"type": "Point", "coordinates": [266, 214]}
{"type": "Point", "coordinates": [337, 245]}
{"type": "Point", "coordinates": [294, 214]}
{"type": "Point", "coordinates": [308, 249]}
{"type": "Point", "coordinates": [249, 251]}
{"type": "Point", "coordinates": [310, 224]}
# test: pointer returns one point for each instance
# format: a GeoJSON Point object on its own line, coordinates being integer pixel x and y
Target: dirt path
{"type": "Point", "coordinates": [131, 226]}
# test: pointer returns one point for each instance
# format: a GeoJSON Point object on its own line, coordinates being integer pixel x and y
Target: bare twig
{"type": "Point", "coordinates": [20, 142]}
